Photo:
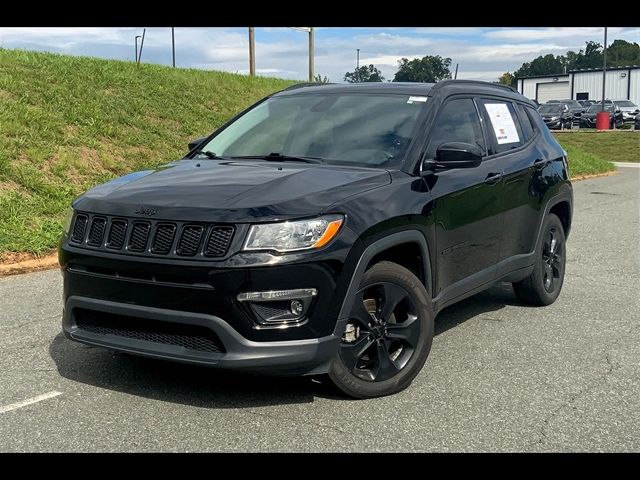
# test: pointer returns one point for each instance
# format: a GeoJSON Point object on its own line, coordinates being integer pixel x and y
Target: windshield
{"type": "Point", "coordinates": [598, 107]}
{"type": "Point", "coordinates": [553, 108]}
{"type": "Point", "coordinates": [360, 129]}
{"type": "Point", "coordinates": [625, 103]}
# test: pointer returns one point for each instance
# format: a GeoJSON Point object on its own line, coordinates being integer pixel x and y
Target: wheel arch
{"type": "Point", "coordinates": [399, 245]}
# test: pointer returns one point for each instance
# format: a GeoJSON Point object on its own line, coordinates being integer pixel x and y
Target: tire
{"type": "Point", "coordinates": [544, 284]}
{"type": "Point", "coordinates": [381, 352]}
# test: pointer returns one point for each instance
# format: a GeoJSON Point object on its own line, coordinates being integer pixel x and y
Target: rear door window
{"type": "Point", "coordinates": [503, 126]}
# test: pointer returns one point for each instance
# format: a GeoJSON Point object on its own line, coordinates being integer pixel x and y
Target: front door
{"type": "Point", "coordinates": [468, 220]}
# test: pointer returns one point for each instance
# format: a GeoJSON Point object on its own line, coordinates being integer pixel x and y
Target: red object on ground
{"type": "Point", "coordinates": [602, 121]}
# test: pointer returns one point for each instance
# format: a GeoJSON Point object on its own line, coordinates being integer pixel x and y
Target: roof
{"type": "Point", "coordinates": [401, 88]}
{"type": "Point", "coordinates": [582, 70]}
{"type": "Point", "coordinates": [404, 88]}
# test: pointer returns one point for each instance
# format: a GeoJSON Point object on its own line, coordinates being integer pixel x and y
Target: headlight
{"type": "Point", "coordinates": [554, 118]}
{"type": "Point", "coordinates": [292, 236]}
{"type": "Point", "coordinates": [67, 220]}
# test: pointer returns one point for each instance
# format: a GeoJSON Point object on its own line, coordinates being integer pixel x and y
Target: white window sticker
{"type": "Point", "coordinates": [502, 122]}
{"type": "Point", "coordinates": [417, 99]}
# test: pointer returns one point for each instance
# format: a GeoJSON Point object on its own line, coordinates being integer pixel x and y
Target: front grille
{"type": "Point", "coordinates": [189, 240]}
{"type": "Point", "coordinates": [117, 234]}
{"type": "Point", "coordinates": [218, 241]}
{"type": "Point", "coordinates": [139, 237]}
{"type": "Point", "coordinates": [159, 238]}
{"type": "Point", "coordinates": [96, 232]}
{"type": "Point", "coordinates": [163, 239]}
{"type": "Point", "coordinates": [79, 228]}
{"type": "Point", "coordinates": [192, 337]}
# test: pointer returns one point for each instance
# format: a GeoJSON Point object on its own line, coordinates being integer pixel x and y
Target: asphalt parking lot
{"type": "Point", "coordinates": [500, 377]}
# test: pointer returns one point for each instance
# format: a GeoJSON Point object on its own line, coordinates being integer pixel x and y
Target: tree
{"type": "Point", "coordinates": [320, 79]}
{"type": "Point", "coordinates": [543, 65]}
{"type": "Point", "coordinates": [622, 53]}
{"type": "Point", "coordinates": [366, 73]}
{"type": "Point", "coordinates": [507, 78]}
{"type": "Point", "coordinates": [426, 69]}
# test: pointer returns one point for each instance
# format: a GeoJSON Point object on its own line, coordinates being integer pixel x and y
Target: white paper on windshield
{"type": "Point", "coordinates": [417, 99]}
{"type": "Point", "coordinates": [502, 122]}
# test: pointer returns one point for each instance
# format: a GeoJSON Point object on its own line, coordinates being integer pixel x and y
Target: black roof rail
{"type": "Point", "coordinates": [443, 83]}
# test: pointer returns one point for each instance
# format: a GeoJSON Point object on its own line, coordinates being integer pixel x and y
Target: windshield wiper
{"type": "Point", "coordinates": [279, 157]}
{"type": "Point", "coordinates": [206, 153]}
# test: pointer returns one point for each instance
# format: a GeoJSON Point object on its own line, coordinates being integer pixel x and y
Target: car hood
{"type": "Point", "coordinates": [628, 109]}
{"type": "Point", "coordinates": [228, 191]}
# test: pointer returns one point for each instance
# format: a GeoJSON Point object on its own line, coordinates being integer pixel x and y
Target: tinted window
{"type": "Point", "coordinates": [551, 108]}
{"type": "Point", "coordinates": [457, 121]}
{"type": "Point", "coordinates": [598, 107]}
{"type": "Point", "coordinates": [503, 126]}
{"type": "Point", "coordinates": [625, 103]}
{"type": "Point", "coordinates": [525, 123]}
{"type": "Point", "coordinates": [536, 120]}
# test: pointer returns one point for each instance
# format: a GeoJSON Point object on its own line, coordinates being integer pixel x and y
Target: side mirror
{"type": "Point", "coordinates": [195, 142]}
{"type": "Point", "coordinates": [454, 155]}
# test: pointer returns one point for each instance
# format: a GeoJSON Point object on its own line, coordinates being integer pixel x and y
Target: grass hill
{"type": "Point", "coordinates": [68, 123]}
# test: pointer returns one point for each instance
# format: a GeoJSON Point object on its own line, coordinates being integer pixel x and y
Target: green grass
{"type": "Point", "coordinates": [68, 123]}
{"type": "Point", "coordinates": [585, 163]}
{"type": "Point", "coordinates": [621, 146]}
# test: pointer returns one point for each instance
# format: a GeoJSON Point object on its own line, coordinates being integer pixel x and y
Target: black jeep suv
{"type": "Point", "coordinates": [321, 230]}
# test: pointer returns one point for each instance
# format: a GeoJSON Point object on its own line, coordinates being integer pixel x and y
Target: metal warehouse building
{"type": "Point", "coordinates": [622, 83]}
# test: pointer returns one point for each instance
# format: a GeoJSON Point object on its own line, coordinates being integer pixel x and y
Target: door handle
{"type": "Point", "coordinates": [493, 178]}
{"type": "Point", "coordinates": [540, 163]}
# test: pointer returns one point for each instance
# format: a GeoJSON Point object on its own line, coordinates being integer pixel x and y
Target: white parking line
{"type": "Point", "coordinates": [24, 403]}
{"type": "Point", "coordinates": [627, 164]}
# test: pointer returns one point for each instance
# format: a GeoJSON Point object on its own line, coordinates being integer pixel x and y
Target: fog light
{"type": "Point", "coordinates": [297, 307]}
{"type": "Point", "coordinates": [274, 295]}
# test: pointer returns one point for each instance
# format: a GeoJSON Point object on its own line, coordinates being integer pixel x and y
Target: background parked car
{"type": "Point", "coordinates": [575, 108]}
{"type": "Point", "coordinates": [556, 115]}
{"type": "Point", "coordinates": [628, 108]}
{"type": "Point", "coordinates": [588, 119]}
{"type": "Point", "coordinates": [586, 103]}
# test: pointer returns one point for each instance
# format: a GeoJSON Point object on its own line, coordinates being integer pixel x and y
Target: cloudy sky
{"type": "Point", "coordinates": [482, 53]}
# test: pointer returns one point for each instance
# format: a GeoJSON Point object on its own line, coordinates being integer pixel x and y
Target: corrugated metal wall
{"type": "Point", "coordinates": [635, 86]}
{"type": "Point", "coordinates": [591, 83]}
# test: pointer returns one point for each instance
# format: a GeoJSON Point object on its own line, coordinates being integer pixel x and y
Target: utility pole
{"type": "Point", "coordinates": [173, 48]}
{"type": "Point", "coordinates": [604, 71]}
{"type": "Point", "coordinates": [144, 31]}
{"type": "Point", "coordinates": [252, 53]}
{"type": "Point", "coordinates": [455, 75]}
{"type": "Point", "coordinates": [137, 37]}
{"type": "Point", "coordinates": [357, 58]}
{"type": "Point", "coordinates": [311, 72]}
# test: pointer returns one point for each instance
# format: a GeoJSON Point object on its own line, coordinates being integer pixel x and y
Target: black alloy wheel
{"type": "Point", "coordinates": [387, 338]}
{"type": "Point", "coordinates": [551, 259]}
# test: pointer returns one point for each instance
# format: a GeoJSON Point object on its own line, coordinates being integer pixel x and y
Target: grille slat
{"type": "Point", "coordinates": [139, 236]}
{"type": "Point", "coordinates": [218, 241]}
{"type": "Point", "coordinates": [79, 228]}
{"type": "Point", "coordinates": [192, 337]}
{"type": "Point", "coordinates": [152, 237]}
{"type": "Point", "coordinates": [117, 233]}
{"type": "Point", "coordinates": [189, 242]}
{"type": "Point", "coordinates": [163, 239]}
{"type": "Point", "coordinates": [96, 231]}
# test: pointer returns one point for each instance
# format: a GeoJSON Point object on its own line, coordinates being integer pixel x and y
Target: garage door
{"type": "Point", "coordinates": [552, 91]}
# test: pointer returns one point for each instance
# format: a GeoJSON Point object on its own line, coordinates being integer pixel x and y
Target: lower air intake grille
{"type": "Point", "coordinates": [79, 228]}
{"type": "Point", "coordinates": [96, 232]}
{"type": "Point", "coordinates": [190, 240]}
{"type": "Point", "coordinates": [218, 241]}
{"type": "Point", "coordinates": [139, 236]}
{"type": "Point", "coordinates": [118, 230]}
{"type": "Point", "coordinates": [192, 337]}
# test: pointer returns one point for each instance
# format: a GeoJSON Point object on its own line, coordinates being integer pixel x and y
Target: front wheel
{"type": "Point", "coordinates": [543, 286]}
{"type": "Point", "coordinates": [388, 336]}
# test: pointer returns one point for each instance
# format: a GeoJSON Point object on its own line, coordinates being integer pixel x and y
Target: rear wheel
{"type": "Point", "coordinates": [388, 336]}
{"type": "Point", "coordinates": [543, 286]}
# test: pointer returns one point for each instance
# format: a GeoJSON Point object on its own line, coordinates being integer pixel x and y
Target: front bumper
{"type": "Point", "coordinates": [294, 357]}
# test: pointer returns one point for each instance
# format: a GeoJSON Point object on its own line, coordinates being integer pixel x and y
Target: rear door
{"type": "Point", "coordinates": [512, 135]}
{"type": "Point", "coordinates": [466, 205]}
